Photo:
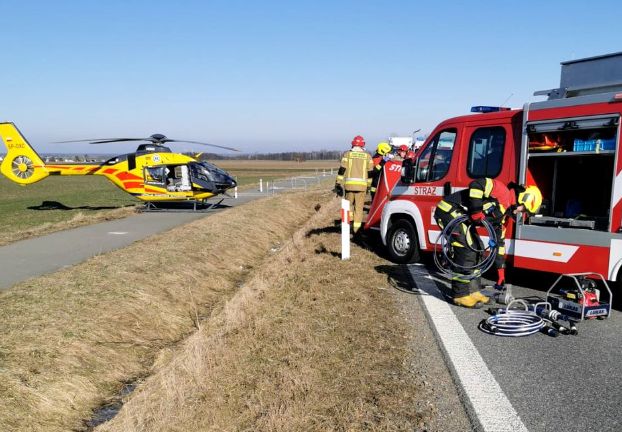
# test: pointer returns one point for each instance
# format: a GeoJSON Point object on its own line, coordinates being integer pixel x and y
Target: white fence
{"type": "Point", "coordinates": [271, 187]}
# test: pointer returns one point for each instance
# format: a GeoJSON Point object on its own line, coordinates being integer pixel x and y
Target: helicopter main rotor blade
{"type": "Point", "coordinates": [112, 140]}
{"type": "Point", "coordinates": [102, 140]}
{"type": "Point", "coordinates": [205, 144]}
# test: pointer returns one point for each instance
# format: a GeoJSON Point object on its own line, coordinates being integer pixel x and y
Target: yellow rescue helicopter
{"type": "Point", "coordinates": [152, 174]}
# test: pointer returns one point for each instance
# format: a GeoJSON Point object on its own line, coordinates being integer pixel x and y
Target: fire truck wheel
{"type": "Point", "coordinates": [402, 242]}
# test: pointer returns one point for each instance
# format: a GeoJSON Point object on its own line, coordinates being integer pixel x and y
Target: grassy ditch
{"type": "Point", "coordinates": [309, 343]}
{"type": "Point", "coordinates": [70, 340]}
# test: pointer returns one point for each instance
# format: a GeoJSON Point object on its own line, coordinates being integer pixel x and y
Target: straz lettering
{"type": "Point", "coordinates": [424, 190]}
{"type": "Point", "coordinates": [395, 167]}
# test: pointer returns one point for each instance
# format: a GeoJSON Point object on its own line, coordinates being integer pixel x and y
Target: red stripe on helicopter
{"type": "Point", "coordinates": [131, 185]}
{"type": "Point", "coordinates": [124, 175]}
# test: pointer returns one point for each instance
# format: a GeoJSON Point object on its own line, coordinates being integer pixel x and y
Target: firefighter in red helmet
{"type": "Point", "coordinates": [484, 198]}
{"type": "Point", "coordinates": [354, 178]}
{"type": "Point", "coordinates": [402, 150]}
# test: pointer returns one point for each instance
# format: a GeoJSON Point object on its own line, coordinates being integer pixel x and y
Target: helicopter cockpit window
{"type": "Point", "coordinates": [200, 171]}
{"type": "Point", "coordinates": [155, 175]}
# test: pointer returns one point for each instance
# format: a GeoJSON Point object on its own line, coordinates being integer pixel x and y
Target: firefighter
{"type": "Point", "coordinates": [401, 151]}
{"type": "Point", "coordinates": [379, 159]}
{"type": "Point", "coordinates": [354, 178]}
{"type": "Point", "coordinates": [484, 198]}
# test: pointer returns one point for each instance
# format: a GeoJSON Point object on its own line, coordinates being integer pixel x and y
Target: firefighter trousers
{"type": "Point", "coordinates": [463, 239]}
{"type": "Point", "coordinates": [357, 205]}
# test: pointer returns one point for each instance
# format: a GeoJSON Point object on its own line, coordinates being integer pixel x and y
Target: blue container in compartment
{"type": "Point", "coordinates": [608, 144]}
{"type": "Point", "coordinates": [584, 145]}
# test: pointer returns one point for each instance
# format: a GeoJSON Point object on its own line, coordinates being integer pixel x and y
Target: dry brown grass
{"type": "Point", "coordinates": [309, 343]}
{"type": "Point", "coordinates": [70, 339]}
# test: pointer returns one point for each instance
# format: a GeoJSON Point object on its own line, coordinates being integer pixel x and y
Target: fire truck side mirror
{"type": "Point", "coordinates": [408, 171]}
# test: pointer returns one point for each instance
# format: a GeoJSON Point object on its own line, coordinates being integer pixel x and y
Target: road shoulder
{"type": "Point", "coordinates": [439, 393]}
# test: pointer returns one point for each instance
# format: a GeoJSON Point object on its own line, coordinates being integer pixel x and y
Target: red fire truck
{"type": "Point", "coordinates": [567, 145]}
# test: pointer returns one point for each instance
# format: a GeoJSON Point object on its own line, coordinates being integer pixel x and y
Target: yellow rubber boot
{"type": "Point", "coordinates": [467, 301]}
{"type": "Point", "coordinates": [477, 295]}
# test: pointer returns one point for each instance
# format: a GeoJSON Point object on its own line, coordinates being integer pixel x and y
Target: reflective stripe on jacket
{"type": "Point", "coordinates": [354, 171]}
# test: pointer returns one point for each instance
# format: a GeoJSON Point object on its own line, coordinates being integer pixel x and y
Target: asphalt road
{"type": "Point", "coordinates": [568, 383]}
{"type": "Point", "coordinates": [45, 254]}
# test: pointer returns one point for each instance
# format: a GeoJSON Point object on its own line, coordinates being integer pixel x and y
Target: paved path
{"type": "Point", "coordinates": [45, 254]}
{"type": "Point", "coordinates": [535, 383]}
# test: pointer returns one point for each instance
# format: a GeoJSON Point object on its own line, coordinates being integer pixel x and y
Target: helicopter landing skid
{"type": "Point", "coordinates": [197, 206]}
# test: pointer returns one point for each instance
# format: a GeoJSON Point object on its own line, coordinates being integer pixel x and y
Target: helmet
{"type": "Point", "coordinates": [410, 154]}
{"type": "Point", "coordinates": [358, 141]}
{"type": "Point", "coordinates": [403, 148]}
{"type": "Point", "coordinates": [531, 198]}
{"type": "Point", "coordinates": [383, 148]}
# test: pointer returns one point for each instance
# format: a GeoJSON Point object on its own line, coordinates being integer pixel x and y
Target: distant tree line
{"type": "Point", "coordinates": [284, 156]}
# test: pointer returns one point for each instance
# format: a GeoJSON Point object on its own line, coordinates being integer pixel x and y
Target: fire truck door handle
{"type": "Point", "coordinates": [447, 189]}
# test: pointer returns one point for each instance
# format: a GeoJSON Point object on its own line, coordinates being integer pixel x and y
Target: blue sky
{"type": "Point", "coordinates": [280, 75]}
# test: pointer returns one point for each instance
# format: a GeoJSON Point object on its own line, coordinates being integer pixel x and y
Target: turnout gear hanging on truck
{"type": "Point", "coordinates": [354, 177]}
{"type": "Point", "coordinates": [484, 198]}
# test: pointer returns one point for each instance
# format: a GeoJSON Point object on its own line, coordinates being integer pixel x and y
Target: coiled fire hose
{"type": "Point", "coordinates": [512, 322]}
{"type": "Point", "coordinates": [443, 250]}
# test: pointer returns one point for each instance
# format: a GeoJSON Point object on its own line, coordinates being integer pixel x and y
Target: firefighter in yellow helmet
{"type": "Point", "coordinates": [354, 178]}
{"type": "Point", "coordinates": [383, 154]}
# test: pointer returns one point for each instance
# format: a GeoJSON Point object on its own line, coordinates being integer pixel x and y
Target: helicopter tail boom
{"type": "Point", "coordinates": [22, 164]}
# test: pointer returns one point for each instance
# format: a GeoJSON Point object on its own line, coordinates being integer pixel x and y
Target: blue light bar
{"type": "Point", "coordinates": [487, 109]}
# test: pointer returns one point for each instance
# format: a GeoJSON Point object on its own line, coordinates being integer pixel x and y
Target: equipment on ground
{"type": "Point", "coordinates": [531, 319]}
{"type": "Point", "coordinates": [579, 297]}
{"type": "Point", "coordinates": [571, 298]}
{"type": "Point", "coordinates": [153, 173]}
{"type": "Point", "coordinates": [443, 250]}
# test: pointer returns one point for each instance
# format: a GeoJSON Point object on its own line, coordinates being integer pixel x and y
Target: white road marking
{"type": "Point", "coordinates": [494, 411]}
{"type": "Point", "coordinates": [117, 232]}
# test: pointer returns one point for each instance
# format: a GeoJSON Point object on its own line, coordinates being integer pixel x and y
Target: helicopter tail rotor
{"type": "Point", "coordinates": [22, 164]}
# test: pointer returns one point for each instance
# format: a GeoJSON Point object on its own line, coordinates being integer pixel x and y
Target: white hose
{"type": "Point", "coordinates": [512, 322]}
